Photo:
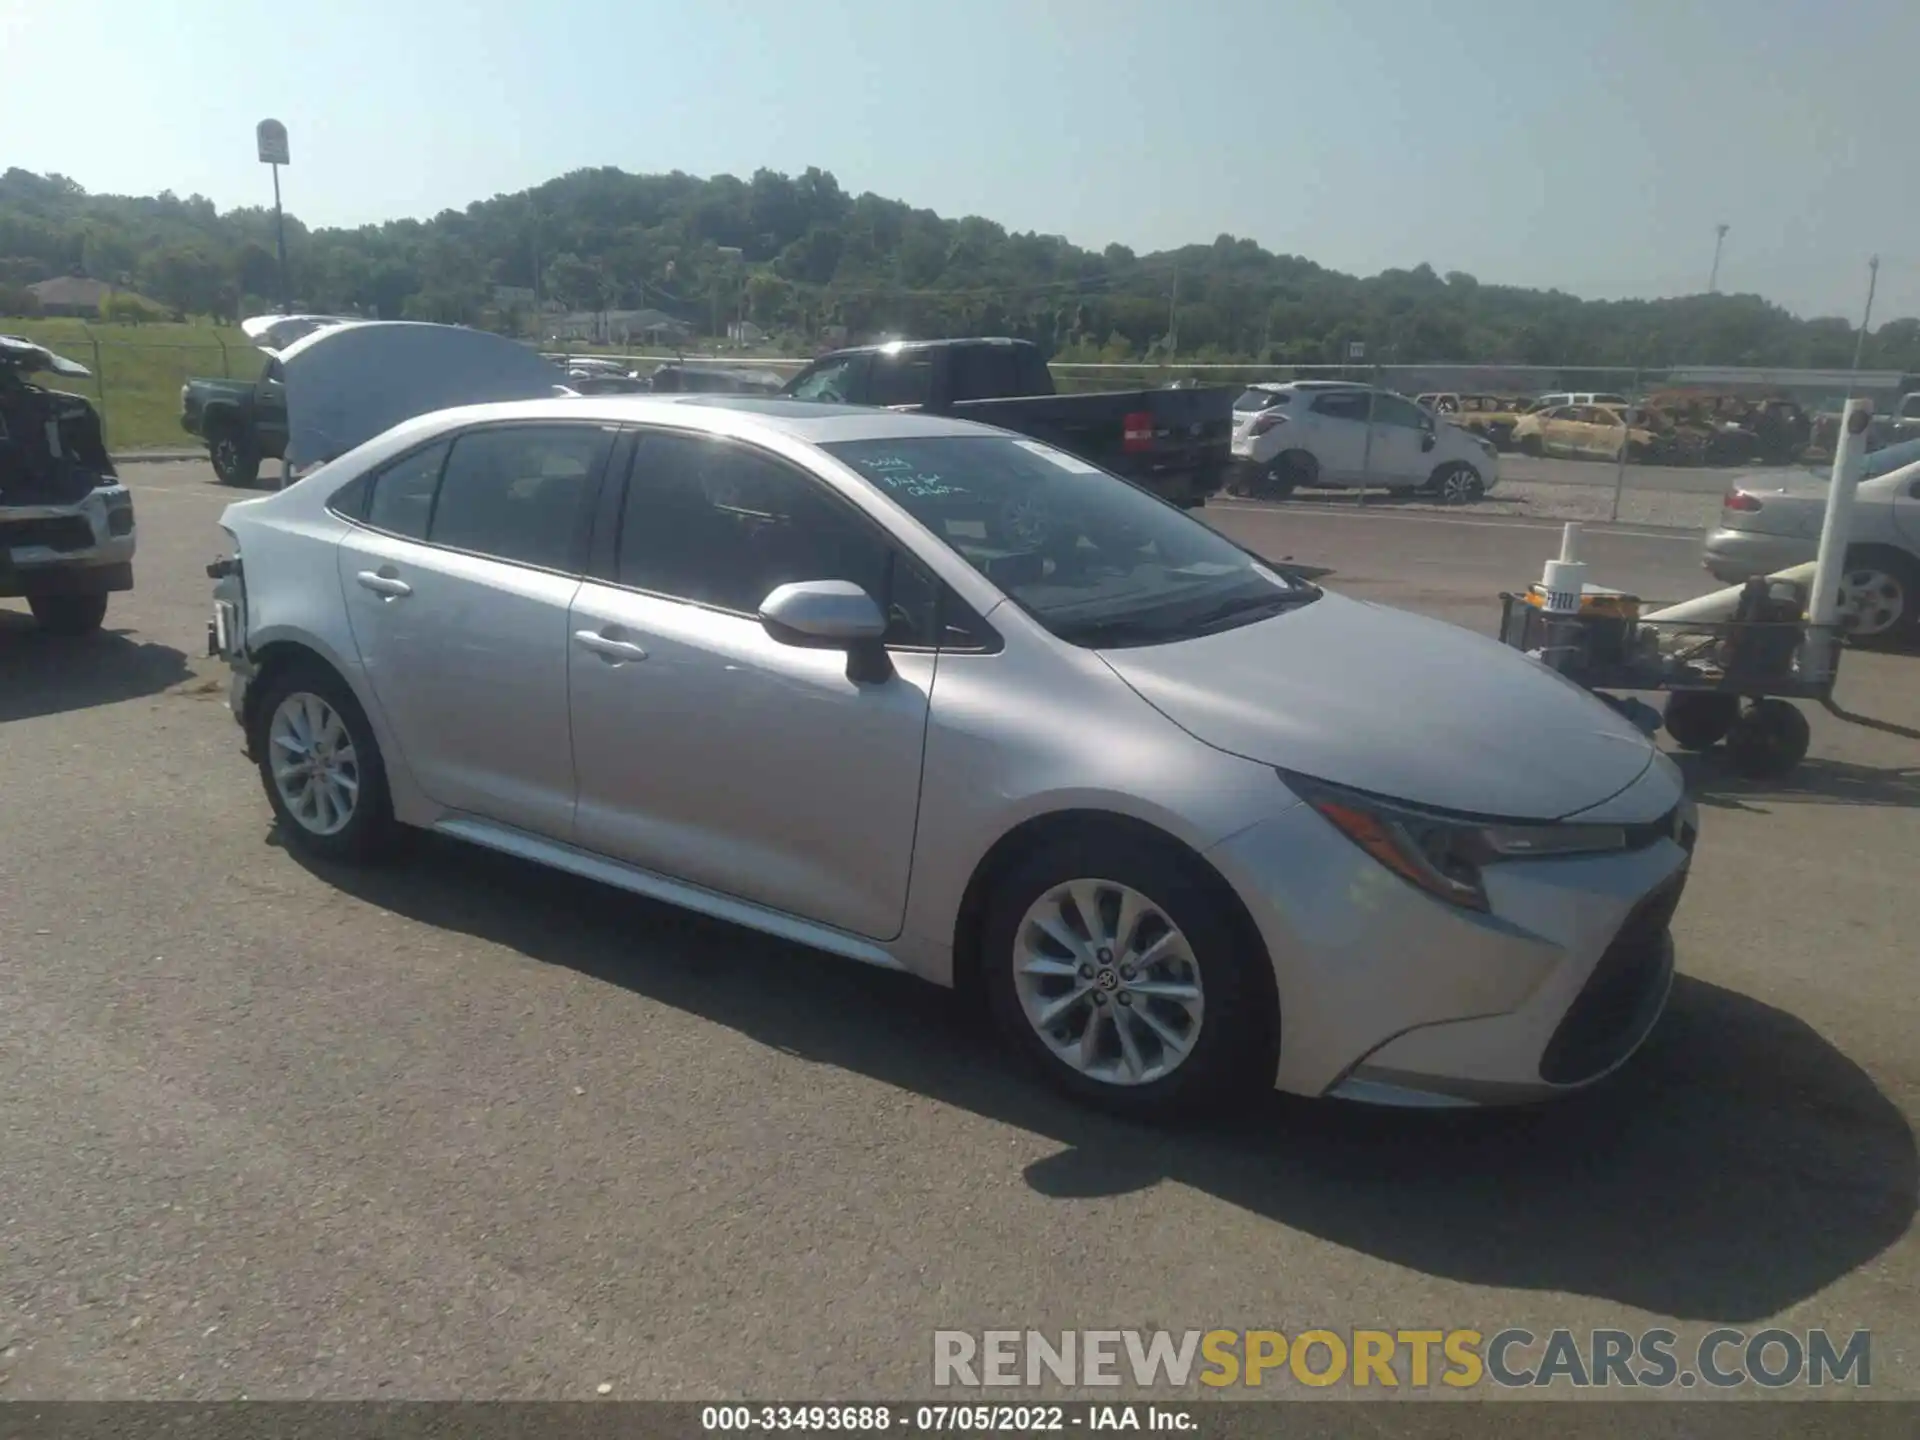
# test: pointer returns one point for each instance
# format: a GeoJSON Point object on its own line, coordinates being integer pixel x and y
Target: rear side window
{"type": "Point", "coordinates": [986, 372]}
{"type": "Point", "coordinates": [903, 379]}
{"type": "Point", "coordinates": [1253, 400]}
{"type": "Point", "coordinates": [1342, 405]}
{"type": "Point", "coordinates": [402, 499]}
{"type": "Point", "coordinates": [517, 492]}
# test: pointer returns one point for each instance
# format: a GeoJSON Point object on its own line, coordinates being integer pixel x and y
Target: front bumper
{"type": "Point", "coordinates": [1736, 556]}
{"type": "Point", "coordinates": [1391, 996]}
{"type": "Point", "coordinates": [85, 548]}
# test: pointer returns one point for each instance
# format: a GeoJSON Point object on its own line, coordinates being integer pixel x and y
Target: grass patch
{"type": "Point", "coordinates": [138, 371]}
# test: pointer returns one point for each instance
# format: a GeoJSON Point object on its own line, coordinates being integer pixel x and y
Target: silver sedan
{"type": "Point", "coordinates": [943, 699]}
{"type": "Point", "coordinates": [1771, 521]}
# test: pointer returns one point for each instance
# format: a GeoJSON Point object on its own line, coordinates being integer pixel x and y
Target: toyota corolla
{"type": "Point", "coordinates": [940, 698]}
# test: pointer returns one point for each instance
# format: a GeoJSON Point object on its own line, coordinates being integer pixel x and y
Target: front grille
{"type": "Point", "coordinates": [1613, 1009]}
{"type": "Point", "coordinates": [61, 532]}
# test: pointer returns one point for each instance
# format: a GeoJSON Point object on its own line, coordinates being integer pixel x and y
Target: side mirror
{"type": "Point", "coordinates": [831, 615]}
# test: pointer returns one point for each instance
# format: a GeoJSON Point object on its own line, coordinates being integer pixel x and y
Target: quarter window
{"type": "Point", "coordinates": [402, 501]}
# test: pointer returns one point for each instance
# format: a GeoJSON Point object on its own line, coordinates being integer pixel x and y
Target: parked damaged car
{"type": "Point", "coordinates": [66, 521]}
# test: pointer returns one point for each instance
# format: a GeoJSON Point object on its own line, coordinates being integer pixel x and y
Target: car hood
{"type": "Point", "coordinates": [1397, 705]}
{"type": "Point", "coordinates": [29, 358]}
{"type": "Point", "coordinates": [350, 381]}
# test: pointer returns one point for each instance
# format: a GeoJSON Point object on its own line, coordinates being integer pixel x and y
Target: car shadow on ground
{"type": "Point", "coordinates": [1712, 781]}
{"type": "Point", "coordinates": [1737, 1166]}
{"type": "Point", "coordinates": [43, 674]}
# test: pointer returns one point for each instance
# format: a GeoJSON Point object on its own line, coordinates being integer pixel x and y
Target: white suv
{"type": "Point", "coordinates": [1331, 435]}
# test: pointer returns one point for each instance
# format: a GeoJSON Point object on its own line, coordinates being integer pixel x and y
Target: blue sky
{"type": "Point", "coordinates": [1590, 146]}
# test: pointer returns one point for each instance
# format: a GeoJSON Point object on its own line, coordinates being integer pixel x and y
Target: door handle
{"type": "Point", "coordinates": [390, 586]}
{"type": "Point", "coordinates": [607, 648]}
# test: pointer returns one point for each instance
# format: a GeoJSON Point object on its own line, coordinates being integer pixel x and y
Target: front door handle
{"type": "Point", "coordinates": [607, 647]}
{"type": "Point", "coordinates": [391, 586]}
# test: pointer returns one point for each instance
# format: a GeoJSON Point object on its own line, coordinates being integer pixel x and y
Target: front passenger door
{"type": "Point", "coordinates": [458, 577]}
{"type": "Point", "coordinates": [710, 752]}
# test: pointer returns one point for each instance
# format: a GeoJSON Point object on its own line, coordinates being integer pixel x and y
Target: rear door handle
{"type": "Point", "coordinates": [607, 648]}
{"type": "Point", "coordinates": [391, 586]}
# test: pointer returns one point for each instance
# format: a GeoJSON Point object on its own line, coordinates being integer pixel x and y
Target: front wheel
{"type": "Point", "coordinates": [321, 767]}
{"type": "Point", "coordinates": [1116, 975]}
{"type": "Point", "coordinates": [68, 614]}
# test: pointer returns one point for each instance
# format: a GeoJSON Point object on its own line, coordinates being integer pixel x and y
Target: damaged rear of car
{"type": "Point", "coordinates": [66, 521]}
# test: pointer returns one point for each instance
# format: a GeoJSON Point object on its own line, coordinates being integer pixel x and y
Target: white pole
{"type": "Point", "coordinates": [1830, 561]}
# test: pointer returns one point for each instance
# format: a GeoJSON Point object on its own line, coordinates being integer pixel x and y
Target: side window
{"type": "Point", "coordinates": [1393, 410]}
{"type": "Point", "coordinates": [515, 492]}
{"type": "Point", "coordinates": [1342, 405]}
{"type": "Point", "coordinates": [903, 379]}
{"type": "Point", "coordinates": [983, 372]}
{"type": "Point", "coordinates": [833, 381]}
{"type": "Point", "coordinates": [402, 500]}
{"type": "Point", "coordinates": [717, 523]}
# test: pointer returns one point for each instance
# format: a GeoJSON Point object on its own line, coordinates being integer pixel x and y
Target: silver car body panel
{"type": "Point", "coordinates": [1785, 530]}
{"type": "Point", "coordinates": [754, 782]}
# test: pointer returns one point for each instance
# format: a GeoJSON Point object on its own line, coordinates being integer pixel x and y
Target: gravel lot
{"type": "Point", "coordinates": [469, 1129]}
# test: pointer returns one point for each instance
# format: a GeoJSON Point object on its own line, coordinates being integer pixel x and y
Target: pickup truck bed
{"type": "Point", "coordinates": [1175, 443]}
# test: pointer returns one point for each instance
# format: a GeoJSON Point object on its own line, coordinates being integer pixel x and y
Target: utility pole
{"type": "Point", "coordinates": [1713, 276]}
{"type": "Point", "coordinates": [1173, 316]}
{"type": "Point", "coordinates": [1860, 345]}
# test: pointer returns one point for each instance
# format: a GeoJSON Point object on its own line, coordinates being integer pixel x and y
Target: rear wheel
{"type": "Point", "coordinates": [1532, 445]}
{"type": "Point", "coordinates": [1769, 740]}
{"type": "Point", "coordinates": [235, 462]}
{"type": "Point", "coordinates": [321, 766]}
{"type": "Point", "coordinates": [1879, 596]}
{"type": "Point", "coordinates": [1114, 971]}
{"type": "Point", "coordinates": [1700, 719]}
{"type": "Point", "coordinates": [1286, 473]}
{"type": "Point", "coordinates": [68, 614]}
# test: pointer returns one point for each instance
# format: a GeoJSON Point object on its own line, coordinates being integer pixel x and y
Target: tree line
{"type": "Point", "coordinates": [797, 254]}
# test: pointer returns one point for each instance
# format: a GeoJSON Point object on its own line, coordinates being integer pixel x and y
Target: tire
{"type": "Point", "coordinates": [1456, 483]}
{"type": "Point", "coordinates": [1288, 471]}
{"type": "Point", "coordinates": [235, 461]}
{"type": "Point", "coordinates": [1231, 1023]}
{"type": "Point", "coordinates": [1534, 446]}
{"type": "Point", "coordinates": [1769, 740]}
{"type": "Point", "coordinates": [1881, 593]}
{"type": "Point", "coordinates": [68, 614]}
{"type": "Point", "coordinates": [1700, 719]}
{"type": "Point", "coordinates": [293, 707]}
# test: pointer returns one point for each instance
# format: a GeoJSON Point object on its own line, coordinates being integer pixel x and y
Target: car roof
{"type": "Point", "coordinates": [815, 422]}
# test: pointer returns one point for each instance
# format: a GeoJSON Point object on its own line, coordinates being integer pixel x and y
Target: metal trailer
{"type": "Point", "coordinates": [1733, 680]}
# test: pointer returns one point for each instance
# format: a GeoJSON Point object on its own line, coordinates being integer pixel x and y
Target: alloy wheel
{"type": "Point", "coordinates": [1871, 600]}
{"type": "Point", "coordinates": [315, 767]}
{"type": "Point", "coordinates": [1459, 486]}
{"type": "Point", "coordinates": [1108, 982]}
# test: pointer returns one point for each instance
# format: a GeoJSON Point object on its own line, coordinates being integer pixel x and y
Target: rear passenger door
{"type": "Point", "coordinates": [458, 578]}
{"type": "Point", "coordinates": [1339, 434]}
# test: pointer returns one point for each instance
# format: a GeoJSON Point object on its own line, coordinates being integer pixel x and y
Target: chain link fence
{"type": "Point", "coordinates": [1572, 440]}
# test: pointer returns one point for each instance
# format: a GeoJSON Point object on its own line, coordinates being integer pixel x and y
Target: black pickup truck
{"type": "Point", "coordinates": [1175, 443]}
{"type": "Point", "coordinates": [243, 421]}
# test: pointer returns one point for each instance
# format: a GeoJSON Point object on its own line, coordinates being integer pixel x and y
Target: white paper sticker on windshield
{"type": "Point", "coordinates": [1070, 463]}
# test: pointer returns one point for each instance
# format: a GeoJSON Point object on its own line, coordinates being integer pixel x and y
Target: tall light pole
{"type": "Point", "coordinates": [1860, 345]}
{"type": "Point", "coordinates": [1719, 239]}
{"type": "Point", "coordinates": [271, 138]}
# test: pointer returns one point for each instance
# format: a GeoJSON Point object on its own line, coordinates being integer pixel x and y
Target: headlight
{"type": "Point", "coordinates": [1445, 854]}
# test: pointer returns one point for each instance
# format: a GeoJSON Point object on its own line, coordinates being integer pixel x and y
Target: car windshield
{"type": "Point", "coordinates": [1095, 560]}
{"type": "Point", "coordinates": [1259, 400]}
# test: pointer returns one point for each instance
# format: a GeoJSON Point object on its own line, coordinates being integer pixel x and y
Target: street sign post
{"type": "Point", "coordinates": [270, 138]}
